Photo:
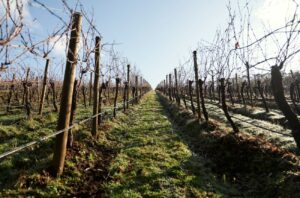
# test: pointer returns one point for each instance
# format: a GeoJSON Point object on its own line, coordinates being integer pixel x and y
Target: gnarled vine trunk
{"type": "Point", "coordinates": [278, 91]}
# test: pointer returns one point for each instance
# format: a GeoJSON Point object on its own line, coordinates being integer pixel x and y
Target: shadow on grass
{"type": "Point", "coordinates": [250, 163]}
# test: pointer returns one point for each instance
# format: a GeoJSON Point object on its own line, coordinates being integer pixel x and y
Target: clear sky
{"type": "Point", "coordinates": [156, 34]}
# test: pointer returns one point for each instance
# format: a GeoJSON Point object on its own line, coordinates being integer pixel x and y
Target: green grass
{"type": "Point", "coordinates": [153, 150]}
{"type": "Point", "coordinates": [249, 162]}
{"type": "Point", "coordinates": [152, 161]}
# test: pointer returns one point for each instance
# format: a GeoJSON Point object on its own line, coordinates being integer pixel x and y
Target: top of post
{"type": "Point", "coordinates": [98, 38]}
{"type": "Point", "coordinates": [76, 15]}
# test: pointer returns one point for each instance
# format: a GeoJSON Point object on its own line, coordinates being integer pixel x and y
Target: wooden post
{"type": "Point", "coordinates": [116, 96]}
{"type": "Point", "coordinates": [191, 95]}
{"type": "Point", "coordinates": [66, 97]}
{"type": "Point", "coordinates": [176, 88]}
{"type": "Point", "coordinates": [27, 102]}
{"type": "Point", "coordinates": [44, 87]}
{"type": "Point", "coordinates": [197, 85]}
{"type": "Point", "coordinates": [141, 87]}
{"type": "Point", "coordinates": [96, 87]}
{"type": "Point", "coordinates": [128, 86]}
{"type": "Point", "coordinates": [213, 86]}
{"type": "Point", "coordinates": [136, 89]}
{"type": "Point", "coordinates": [170, 87]}
{"type": "Point", "coordinates": [26, 80]}
{"type": "Point", "coordinates": [164, 89]}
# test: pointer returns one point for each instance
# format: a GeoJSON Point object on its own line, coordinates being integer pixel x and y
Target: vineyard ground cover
{"type": "Point", "coordinates": [274, 115]}
{"type": "Point", "coordinates": [152, 161]}
{"type": "Point", "coordinates": [27, 173]}
{"type": "Point", "coordinates": [272, 132]}
{"type": "Point", "coordinates": [16, 130]}
{"type": "Point", "coordinates": [135, 155]}
{"type": "Point", "coordinates": [251, 124]}
{"type": "Point", "coordinates": [156, 150]}
{"type": "Point", "coordinates": [258, 112]}
{"type": "Point", "coordinates": [253, 165]}
{"type": "Point", "coordinates": [84, 172]}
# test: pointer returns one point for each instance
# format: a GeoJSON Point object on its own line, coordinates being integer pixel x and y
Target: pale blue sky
{"type": "Point", "coordinates": [154, 34]}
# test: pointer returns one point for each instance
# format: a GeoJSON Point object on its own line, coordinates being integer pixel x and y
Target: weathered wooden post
{"type": "Point", "coordinates": [191, 95]}
{"type": "Point", "coordinates": [213, 85]}
{"type": "Point", "coordinates": [170, 87]}
{"type": "Point", "coordinates": [140, 87]}
{"type": "Point", "coordinates": [96, 87]}
{"type": "Point", "coordinates": [197, 85]}
{"type": "Point", "coordinates": [164, 89]}
{"type": "Point", "coordinates": [66, 98]}
{"type": "Point", "coordinates": [26, 86]}
{"type": "Point", "coordinates": [128, 86]}
{"type": "Point", "coordinates": [116, 96]}
{"type": "Point", "coordinates": [176, 88]}
{"type": "Point", "coordinates": [44, 87]}
{"type": "Point", "coordinates": [26, 80]}
{"type": "Point", "coordinates": [125, 95]}
{"type": "Point", "coordinates": [136, 89]}
{"type": "Point", "coordinates": [167, 86]}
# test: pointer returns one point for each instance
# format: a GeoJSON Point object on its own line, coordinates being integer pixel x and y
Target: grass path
{"type": "Point", "coordinates": [152, 160]}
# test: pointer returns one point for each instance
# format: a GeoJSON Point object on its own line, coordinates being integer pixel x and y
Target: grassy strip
{"type": "Point", "coordinates": [152, 161]}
